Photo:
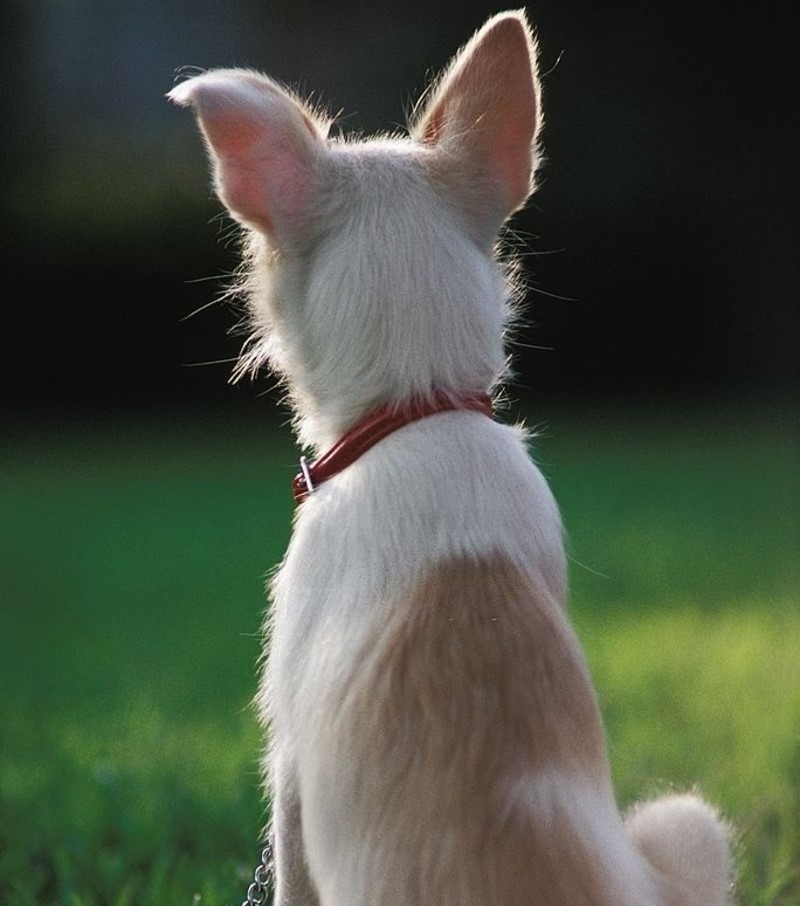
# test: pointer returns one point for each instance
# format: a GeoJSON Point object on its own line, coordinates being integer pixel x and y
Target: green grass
{"type": "Point", "coordinates": [133, 561]}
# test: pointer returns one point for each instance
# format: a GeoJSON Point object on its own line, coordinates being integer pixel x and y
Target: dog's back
{"type": "Point", "coordinates": [445, 736]}
{"type": "Point", "coordinates": [435, 735]}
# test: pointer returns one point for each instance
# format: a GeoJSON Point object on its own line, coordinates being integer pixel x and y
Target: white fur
{"type": "Point", "coordinates": [373, 277]}
{"type": "Point", "coordinates": [549, 796]}
{"type": "Point", "coordinates": [683, 837]}
{"type": "Point", "coordinates": [423, 495]}
{"type": "Point", "coordinates": [373, 283]}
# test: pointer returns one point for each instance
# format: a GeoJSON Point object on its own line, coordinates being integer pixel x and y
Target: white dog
{"type": "Point", "coordinates": [435, 738]}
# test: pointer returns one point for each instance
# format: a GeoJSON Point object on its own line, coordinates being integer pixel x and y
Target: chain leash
{"type": "Point", "coordinates": [258, 892]}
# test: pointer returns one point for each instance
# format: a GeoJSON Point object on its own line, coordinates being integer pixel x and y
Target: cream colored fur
{"type": "Point", "coordinates": [435, 739]}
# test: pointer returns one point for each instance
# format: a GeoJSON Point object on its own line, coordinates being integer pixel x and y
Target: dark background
{"type": "Point", "coordinates": [662, 244]}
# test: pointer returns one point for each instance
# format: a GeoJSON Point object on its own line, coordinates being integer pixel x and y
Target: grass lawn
{"type": "Point", "coordinates": [132, 564]}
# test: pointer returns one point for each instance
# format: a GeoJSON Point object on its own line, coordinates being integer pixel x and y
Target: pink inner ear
{"type": "Point", "coordinates": [243, 194]}
{"type": "Point", "coordinates": [485, 110]}
{"type": "Point", "coordinates": [271, 192]}
{"type": "Point", "coordinates": [266, 188]}
{"type": "Point", "coordinates": [264, 146]}
{"type": "Point", "coordinates": [230, 134]}
{"type": "Point", "coordinates": [512, 149]}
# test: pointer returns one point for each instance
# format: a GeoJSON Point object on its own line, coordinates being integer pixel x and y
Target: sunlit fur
{"type": "Point", "coordinates": [434, 734]}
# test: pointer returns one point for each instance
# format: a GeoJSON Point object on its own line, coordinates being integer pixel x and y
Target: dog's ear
{"type": "Point", "coordinates": [485, 110]}
{"type": "Point", "coordinates": [266, 148]}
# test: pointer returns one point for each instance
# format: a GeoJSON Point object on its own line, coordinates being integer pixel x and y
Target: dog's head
{"type": "Point", "coordinates": [372, 267]}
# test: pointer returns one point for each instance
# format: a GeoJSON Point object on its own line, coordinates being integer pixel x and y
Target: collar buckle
{"type": "Point", "coordinates": [302, 484]}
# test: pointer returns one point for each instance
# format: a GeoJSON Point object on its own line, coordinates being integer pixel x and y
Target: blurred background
{"type": "Point", "coordinates": [662, 246]}
{"type": "Point", "coordinates": [143, 498]}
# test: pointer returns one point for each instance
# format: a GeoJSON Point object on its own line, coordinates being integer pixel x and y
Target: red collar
{"type": "Point", "coordinates": [372, 429]}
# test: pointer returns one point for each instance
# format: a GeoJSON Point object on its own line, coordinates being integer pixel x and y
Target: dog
{"type": "Point", "coordinates": [435, 738]}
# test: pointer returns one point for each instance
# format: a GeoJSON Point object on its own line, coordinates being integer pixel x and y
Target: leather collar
{"type": "Point", "coordinates": [373, 428]}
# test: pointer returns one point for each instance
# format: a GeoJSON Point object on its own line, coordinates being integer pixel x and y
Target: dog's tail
{"type": "Point", "coordinates": [688, 845]}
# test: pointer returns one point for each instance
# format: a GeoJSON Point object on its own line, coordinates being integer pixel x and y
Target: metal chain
{"type": "Point", "coordinates": [258, 891]}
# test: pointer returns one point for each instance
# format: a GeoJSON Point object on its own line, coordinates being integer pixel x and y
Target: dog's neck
{"type": "Point", "coordinates": [376, 426]}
